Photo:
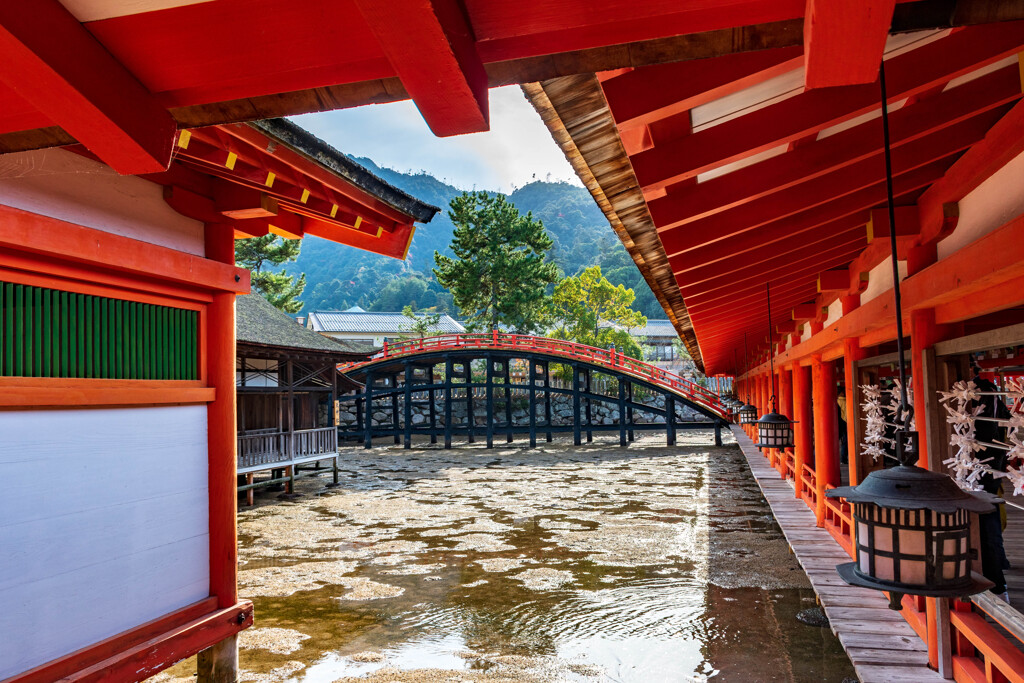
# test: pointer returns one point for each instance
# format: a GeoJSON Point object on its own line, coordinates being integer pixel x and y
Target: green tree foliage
{"type": "Point", "coordinates": [279, 288]}
{"type": "Point", "coordinates": [591, 310]}
{"type": "Point", "coordinates": [420, 325]}
{"type": "Point", "coordinates": [499, 275]}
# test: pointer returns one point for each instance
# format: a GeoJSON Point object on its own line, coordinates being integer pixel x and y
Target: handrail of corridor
{"type": "Point", "coordinates": [555, 347]}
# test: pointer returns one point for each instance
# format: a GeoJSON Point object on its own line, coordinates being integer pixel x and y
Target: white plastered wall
{"type": "Point", "coordinates": [104, 525]}
{"type": "Point", "coordinates": [70, 187]}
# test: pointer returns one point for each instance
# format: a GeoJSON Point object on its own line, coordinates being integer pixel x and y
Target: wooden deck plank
{"type": "Point", "coordinates": [880, 643]}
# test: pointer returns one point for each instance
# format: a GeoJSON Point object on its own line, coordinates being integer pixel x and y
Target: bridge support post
{"type": "Point", "coordinates": [508, 400]}
{"type": "Point", "coordinates": [490, 402]}
{"type": "Point", "coordinates": [433, 408]}
{"type": "Point", "coordinates": [576, 435]}
{"type": "Point", "coordinates": [590, 416]}
{"type": "Point", "coordinates": [547, 399]}
{"type": "Point", "coordinates": [622, 413]}
{"type": "Point", "coordinates": [368, 415]}
{"type": "Point", "coordinates": [670, 420]}
{"type": "Point", "coordinates": [629, 410]}
{"type": "Point", "coordinates": [448, 403]}
{"type": "Point", "coordinates": [718, 433]}
{"type": "Point", "coordinates": [394, 409]}
{"type": "Point", "coordinates": [532, 400]}
{"type": "Point", "coordinates": [407, 408]}
{"type": "Point", "coordinates": [470, 414]}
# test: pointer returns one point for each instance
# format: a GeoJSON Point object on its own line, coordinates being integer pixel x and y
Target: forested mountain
{"type": "Point", "coordinates": [339, 277]}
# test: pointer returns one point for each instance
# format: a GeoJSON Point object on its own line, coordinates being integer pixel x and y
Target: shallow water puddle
{"type": "Point", "coordinates": [551, 564]}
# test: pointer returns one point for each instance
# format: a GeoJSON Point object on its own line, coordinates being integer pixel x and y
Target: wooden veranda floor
{"type": "Point", "coordinates": [879, 642]}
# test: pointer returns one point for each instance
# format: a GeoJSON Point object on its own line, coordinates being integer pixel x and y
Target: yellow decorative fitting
{"type": "Point", "coordinates": [230, 163]}
{"type": "Point", "coordinates": [270, 179]}
{"type": "Point", "coordinates": [305, 196]}
{"type": "Point", "coordinates": [334, 210]}
{"type": "Point", "coordinates": [184, 137]}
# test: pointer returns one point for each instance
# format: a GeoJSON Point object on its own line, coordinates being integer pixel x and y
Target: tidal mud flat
{"type": "Point", "coordinates": [559, 563]}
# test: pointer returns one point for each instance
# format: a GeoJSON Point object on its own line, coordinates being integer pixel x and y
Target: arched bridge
{"type": "Point", "coordinates": [504, 384]}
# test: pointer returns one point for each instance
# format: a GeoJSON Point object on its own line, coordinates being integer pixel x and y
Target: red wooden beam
{"type": "Point", "coordinates": [796, 117]}
{"type": "Point", "coordinates": [650, 93]}
{"type": "Point", "coordinates": [822, 190]}
{"type": "Point", "coordinates": [816, 158]}
{"type": "Point", "coordinates": [844, 41]}
{"type": "Point", "coordinates": [841, 231]}
{"type": "Point", "coordinates": [431, 46]}
{"type": "Point", "coordinates": [908, 223]}
{"type": "Point", "coordinates": [1002, 143]}
{"type": "Point", "coordinates": [834, 281]}
{"type": "Point", "coordinates": [851, 204]}
{"type": "Point", "coordinates": [50, 60]}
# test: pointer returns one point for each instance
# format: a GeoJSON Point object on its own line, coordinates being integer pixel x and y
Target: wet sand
{"type": "Point", "coordinates": [513, 564]}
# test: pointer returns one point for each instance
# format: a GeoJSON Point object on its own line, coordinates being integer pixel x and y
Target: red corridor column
{"type": "Point", "coordinates": [802, 439]}
{"type": "Point", "coordinates": [826, 428]}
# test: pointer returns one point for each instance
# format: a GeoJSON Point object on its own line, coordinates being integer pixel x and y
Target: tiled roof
{"type": "Point", "coordinates": [378, 323]}
{"type": "Point", "coordinates": [654, 328]}
{"type": "Point", "coordinates": [257, 321]}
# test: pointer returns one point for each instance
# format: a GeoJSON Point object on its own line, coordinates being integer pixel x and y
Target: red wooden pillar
{"type": "Point", "coordinates": [852, 352]}
{"type": "Point", "coordinates": [802, 429]}
{"type": "Point", "coordinates": [924, 333]}
{"type": "Point", "coordinates": [826, 445]}
{"type": "Point", "coordinates": [785, 403]}
{"type": "Point", "coordinates": [220, 662]}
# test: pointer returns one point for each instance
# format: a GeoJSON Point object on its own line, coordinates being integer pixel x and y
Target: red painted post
{"type": "Point", "coordinates": [785, 405]}
{"type": "Point", "coordinates": [221, 426]}
{"type": "Point", "coordinates": [802, 439]}
{"type": "Point", "coordinates": [826, 444]}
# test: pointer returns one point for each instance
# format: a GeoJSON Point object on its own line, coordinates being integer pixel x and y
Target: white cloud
{"type": "Point", "coordinates": [517, 149]}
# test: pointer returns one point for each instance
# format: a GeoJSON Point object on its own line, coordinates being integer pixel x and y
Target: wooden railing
{"type": "Point", "coordinates": [271, 446]}
{"type": "Point", "coordinates": [809, 487]}
{"type": "Point", "coordinates": [261, 447]}
{"type": "Point", "coordinates": [839, 521]}
{"type": "Point", "coordinates": [555, 347]}
{"type": "Point", "coordinates": [306, 442]}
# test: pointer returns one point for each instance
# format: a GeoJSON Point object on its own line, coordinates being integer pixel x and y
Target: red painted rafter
{"type": "Point", "coordinates": [811, 219]}
{"type": "Point", "coordinates": [827, 188]}
{"type": "Point", "coordinates": [431, 46]}
{"type": "Point", "coordinates": [908, 74]}
{"type": "Point", "coordinates": [50, 61]}
{"type": "Point", "coordinates": [651, 93]}
{"type": "Point", "coordinates": [844, 41]}
{"type": "Point", "coordinates": [837, 151]}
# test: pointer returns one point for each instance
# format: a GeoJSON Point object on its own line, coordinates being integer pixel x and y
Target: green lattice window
{"type": "Point", "coordinates": [52, 333]}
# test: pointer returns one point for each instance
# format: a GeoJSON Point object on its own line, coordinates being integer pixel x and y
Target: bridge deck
{"type": "Point", "coordinates": [879, 642]}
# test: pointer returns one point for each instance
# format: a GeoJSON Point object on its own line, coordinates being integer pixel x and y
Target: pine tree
{"type": "Point", "coordinates": [279, 288]}
{"type": "Point", "coordinates": [500, 273]}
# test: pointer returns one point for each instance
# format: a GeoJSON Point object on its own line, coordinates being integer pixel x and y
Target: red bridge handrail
{"type": "Point", "coordinates": [521, 342]}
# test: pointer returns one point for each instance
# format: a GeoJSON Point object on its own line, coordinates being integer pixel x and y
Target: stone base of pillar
{"type": "Point", "coordinates": [219, 663]}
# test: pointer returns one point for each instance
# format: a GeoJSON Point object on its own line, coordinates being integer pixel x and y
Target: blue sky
{"type": "Point", "coordinates": [517, 149]}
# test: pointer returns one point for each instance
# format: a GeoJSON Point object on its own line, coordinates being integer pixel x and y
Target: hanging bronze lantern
{"type": "Point", "coordinates": [911, 525]}
{"type": "Point", "coordinates": [774, 431]}
{"type": "Point", "coordinates": [748, 414]}
{"type": "Point", "coordinates": [912, 531]}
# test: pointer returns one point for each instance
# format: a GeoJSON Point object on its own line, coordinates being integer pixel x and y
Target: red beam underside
{"type": "Point", "coordinates": [827, 188]}
{"type": "Point", "coordinates": [817, 158]}
{"type": "Point", "coordinates": [796, 117]}
{"type": "Point", "coordinates": [648, 94]}
{"type": "Point", "coordinates": [51, 62]}
{"type": "Point", "coordinates": [431, 46]}
{"type": "Point", "coordinates": [844, 40]}
{"type": "Point", "coordinates": [859, 201]}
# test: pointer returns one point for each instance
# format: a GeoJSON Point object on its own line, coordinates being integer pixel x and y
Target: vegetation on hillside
{"type": "Point", "coordinates": [340, 277]}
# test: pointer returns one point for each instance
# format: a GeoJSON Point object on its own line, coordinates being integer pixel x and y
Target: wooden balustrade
{"type": "Point", "coordinates": [271, 446]}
